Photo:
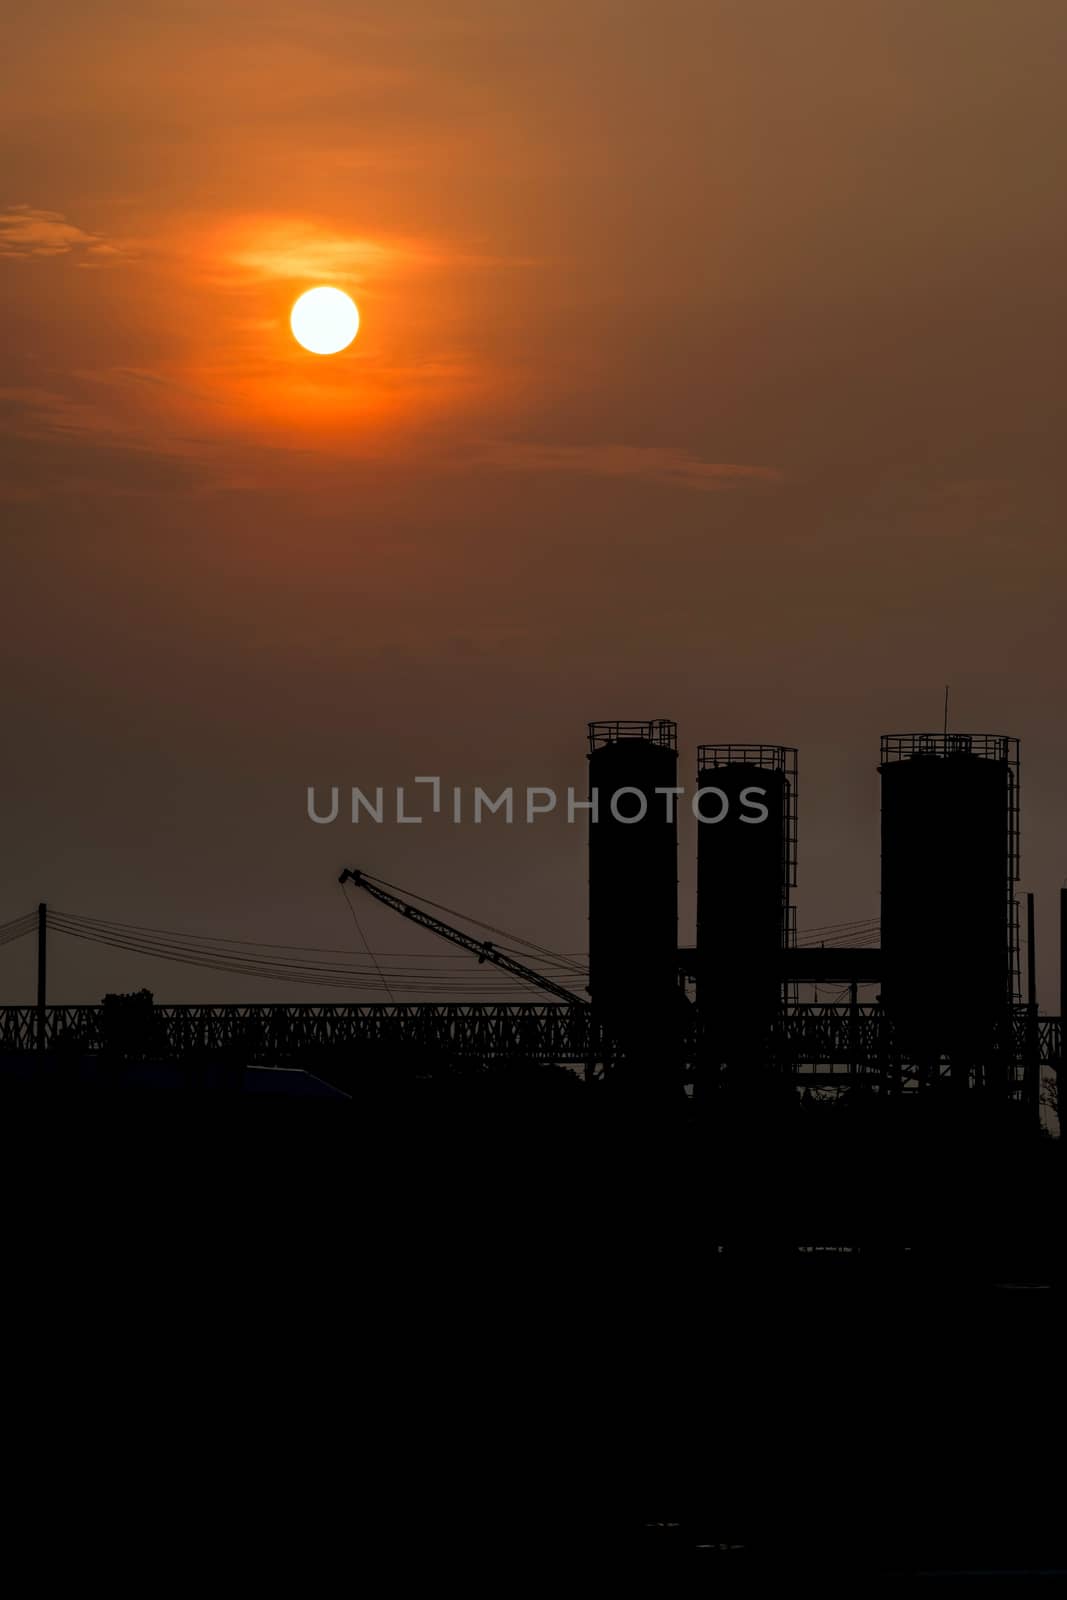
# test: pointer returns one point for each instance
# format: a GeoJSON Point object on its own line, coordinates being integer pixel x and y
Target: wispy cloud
{"type": "Point", "coordinates": [277, 248]}
{"type": "Point", "coordinates": [285, 249]}
{"type": "Point", "coordinates": [40, 412]}
{"type": "Point", "coordinates": [61, 416]}
{"type": "Point", "coordinates": [28, 233]}
{"type": "Point", "coordinates": [54, 444]}
{"type": "Point", "coordinates": [299, 252]}
{"type": "Point", "coordinates": [653, 463]}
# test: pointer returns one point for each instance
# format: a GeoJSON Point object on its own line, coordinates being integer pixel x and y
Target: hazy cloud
{"type": "Point", "coordinates": [286, 248]}
{"type": "Point", "coordinates": [27, 232]}
{"type": "Point", "coordinates": [658, 464]}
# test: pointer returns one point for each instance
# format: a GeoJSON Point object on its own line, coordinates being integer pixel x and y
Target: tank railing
{"type": "Point", "coordinates": [661, 731]}
{"type": "Point", "coordinates": [774, 757]}
{"type": "Point", "coordinates": [988, 746]}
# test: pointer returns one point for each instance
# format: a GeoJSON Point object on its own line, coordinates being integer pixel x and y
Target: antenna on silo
{"type": "Point", "coordinates": [946, 710]}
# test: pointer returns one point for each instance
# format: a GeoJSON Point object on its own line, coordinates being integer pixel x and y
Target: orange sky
{"type": "Point", "coordinates": [709, 367]}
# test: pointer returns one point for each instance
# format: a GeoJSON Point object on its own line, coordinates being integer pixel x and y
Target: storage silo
{"type": "Point", "coordinates": [633, 875]}
{"type": "Point", "coordinates": [746, 866]}
{"type": "Point", "coordinates": [950, 861]}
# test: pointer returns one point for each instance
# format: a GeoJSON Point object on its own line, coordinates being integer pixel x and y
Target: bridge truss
{"type": "Point", "coordinates": [825, 1046]}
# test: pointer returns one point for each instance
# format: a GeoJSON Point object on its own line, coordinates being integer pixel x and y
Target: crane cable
{"type": "Point", "coordinates": [359, 929]}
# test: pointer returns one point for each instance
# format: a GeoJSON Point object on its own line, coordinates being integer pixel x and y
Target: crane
{"type": "Point", "coordinates": [484, 949]}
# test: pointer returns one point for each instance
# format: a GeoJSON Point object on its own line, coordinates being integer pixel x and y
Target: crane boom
{"type": "Point", "coordinates": [484, 949]}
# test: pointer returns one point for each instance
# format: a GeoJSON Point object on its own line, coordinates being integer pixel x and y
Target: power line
{"type": "Point", "coordinates": [17, 928]}
{"type": "Point", "coordinates": [198, 941]}
{"type": "Point", "coordinates": [281, 969]}
{"type": "Point", "coordinates": [461, 916]}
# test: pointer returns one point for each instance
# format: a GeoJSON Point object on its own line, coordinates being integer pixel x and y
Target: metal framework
{"type": "Point", "coordinates": [661, 731]}
{"type": "Point", "coordinates": [988, 746]}
{"type": "Point", "coordinates": [272, 1033]}
{"type": "Point", "coordinates": [837, 1045]}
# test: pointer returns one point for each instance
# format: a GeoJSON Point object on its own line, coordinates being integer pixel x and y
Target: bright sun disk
{"type": "Point", "coordinates": [324, 321]}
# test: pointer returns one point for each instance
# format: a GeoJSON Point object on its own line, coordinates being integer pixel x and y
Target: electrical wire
{"type": "Point", "coordinates": [461, 916]}
{"type": "Point", "coordinates": [412, 974]}
{"type": "Point", "coordinates": [304, 964]}
{"type": "Point", "coordinates": [18, 928]}
{"type": "Point", "coordinates": [125, 929]}
{"type": "Point", "coordinates": [860, 933]}
{"type": "Point", "coordinates": [187, 951]}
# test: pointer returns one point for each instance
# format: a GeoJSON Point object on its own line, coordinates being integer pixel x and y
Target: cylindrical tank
{"type": "Point", "coordinates": [949, 863]}
{"type": "Point", "coordinates": [746, 854]}
{"type": "Point", "coordinates": [633, 870]}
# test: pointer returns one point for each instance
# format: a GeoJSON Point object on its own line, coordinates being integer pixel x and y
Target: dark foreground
{"type": "Point", "coordinates": [462, 1346]}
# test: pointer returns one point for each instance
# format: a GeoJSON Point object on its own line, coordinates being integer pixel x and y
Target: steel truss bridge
{"type": "Point", "coordinates": [826, 1046]}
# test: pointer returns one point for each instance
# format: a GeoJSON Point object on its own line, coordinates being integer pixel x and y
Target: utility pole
{"type": "Point", "coordinates": [42, 970]}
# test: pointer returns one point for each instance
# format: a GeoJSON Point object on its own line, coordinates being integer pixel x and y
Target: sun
{"type": "Point", "coordinates": [324, 321]}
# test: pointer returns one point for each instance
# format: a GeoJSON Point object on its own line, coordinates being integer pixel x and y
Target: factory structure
{"type": "Point", "coordinates": [948, 1011]}
{"type": "Point", "coordinates": [942, 1013]}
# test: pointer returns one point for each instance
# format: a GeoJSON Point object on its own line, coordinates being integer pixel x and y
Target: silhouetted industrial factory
{"type": "Point", "coordinates": [949, 1010]}
{"type": "Point", "coordinates": [721, 1022]}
